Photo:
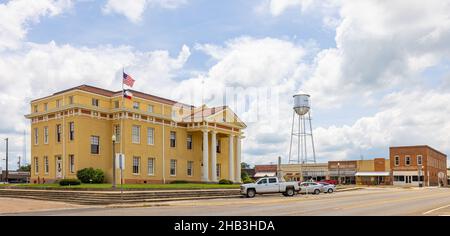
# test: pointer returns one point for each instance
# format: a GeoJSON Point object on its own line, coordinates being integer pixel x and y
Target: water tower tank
{"type": "Point", "coordinates": [301, 104]}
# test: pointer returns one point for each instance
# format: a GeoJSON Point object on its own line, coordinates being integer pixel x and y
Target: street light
{"type": "Point", "coordinates": [339, 173]}
{"type": "Point", "coordinates": [114, 161]}
{"type": "Point", "coordinates": [6, 173]}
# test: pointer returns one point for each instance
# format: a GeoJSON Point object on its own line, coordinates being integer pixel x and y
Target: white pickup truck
{"type": "Point", "coordinates": [270, 185]}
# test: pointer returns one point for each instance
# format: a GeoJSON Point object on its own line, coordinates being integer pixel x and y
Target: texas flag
{"type": "Point", "coordinates": [128, 80]}
{"type": "Point", "coordinates": [127, 94]}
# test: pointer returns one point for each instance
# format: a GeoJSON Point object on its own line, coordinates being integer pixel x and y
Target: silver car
{"type": "Point", "coordinates": [310, 188]}
{"type": "Point", "coordinates": [327, 188]}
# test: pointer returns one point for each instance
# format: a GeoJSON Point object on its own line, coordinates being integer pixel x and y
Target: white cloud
{"type": "Point", "coordinates": [16, 15]}
{"type": "Point", "coordinates": [268, 71]}
{"type": "Point", "coordinates": [278, 7]}
{"type": "Point", "coordinates": [380, 45]}
{"type": "Point", "coordinates": [133, 10]}
{"type": "Point", "coordinates": [406, 118]}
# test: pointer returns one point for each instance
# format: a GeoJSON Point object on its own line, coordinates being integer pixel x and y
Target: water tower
{"type": "Point", "coordinates": [301, 118]}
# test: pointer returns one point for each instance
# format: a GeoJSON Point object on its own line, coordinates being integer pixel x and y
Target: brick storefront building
{"type": "Point", "coordinates": [415, 165]}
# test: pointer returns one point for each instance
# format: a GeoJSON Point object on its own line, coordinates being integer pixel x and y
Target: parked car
{"type": "Point", "coordinates": [310, 187]}
{"type": "Point", "coordinates": [327, 188]}
{"type": "Point", "coordinates": [269, 185]}
{"type": "Point", "coordinates": [329, 181]}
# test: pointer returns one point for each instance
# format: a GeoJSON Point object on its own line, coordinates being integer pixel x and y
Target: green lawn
{"type": "Point", "coordinates": [129, 186]}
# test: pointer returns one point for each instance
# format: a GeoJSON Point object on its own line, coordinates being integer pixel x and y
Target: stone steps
{"type": "Point", "coordinates": [101, 198]}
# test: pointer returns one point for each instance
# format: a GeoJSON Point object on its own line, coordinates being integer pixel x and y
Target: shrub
{"type": "Point", "coordinates": [68, 182]}
{"type": "Point", "coordinates": [179, 182]}
{"type": "Point", "coordinates": [248, 181]}
{"type": "Point", "coordinates": [225, 181]}
{"type": "Point", "coordinates": [91, 175]}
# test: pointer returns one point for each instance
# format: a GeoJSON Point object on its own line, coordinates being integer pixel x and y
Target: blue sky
{"type": "Point", "coordinates": [375, 80]}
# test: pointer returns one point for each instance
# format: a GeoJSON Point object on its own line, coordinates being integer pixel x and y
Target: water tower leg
{"type": "Point", "coordinates": [292, 135]}
{"type": "Point", "coordinates": [312, 137]}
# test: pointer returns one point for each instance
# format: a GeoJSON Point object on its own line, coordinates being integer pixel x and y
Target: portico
{"type": "Point", "coordinates": [217, 164]}
{"type": "Point", "coordinates": [221, 144]}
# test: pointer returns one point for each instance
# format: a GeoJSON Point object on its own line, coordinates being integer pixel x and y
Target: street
{"type": "Point", "coordinates": [364, 202]}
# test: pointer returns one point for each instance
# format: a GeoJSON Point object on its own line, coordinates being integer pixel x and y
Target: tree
{"type": "Point", "coordinates": [245, 165]}
{"type": "Point", "coordinates": [26, 168]}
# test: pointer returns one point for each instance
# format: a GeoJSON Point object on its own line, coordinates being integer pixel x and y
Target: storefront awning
{"type": "Point", "coordinates": [265, 174]}
{"type": "Point", "coordinates": [372, 173]}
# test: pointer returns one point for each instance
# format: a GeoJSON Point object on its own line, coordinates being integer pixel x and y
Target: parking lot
{"type": "Point", "coordinates": [368, 201]}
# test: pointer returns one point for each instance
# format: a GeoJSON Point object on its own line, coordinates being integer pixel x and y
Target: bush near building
{"type": "Point", "coordinates": [246, 178]}
{"type": "Point", "coordinates": [91, 175]}
{"type": "Point", "coordinates": [225, 181]}
{"type": "Point", "coordinates": [69, 182]}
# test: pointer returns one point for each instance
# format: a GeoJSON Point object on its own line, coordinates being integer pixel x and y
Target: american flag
{"type": "Point", "coordinates": [128, 80]}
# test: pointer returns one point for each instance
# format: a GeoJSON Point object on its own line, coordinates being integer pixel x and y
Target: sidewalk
{"type": "Point", "coordinates": [15, 205]}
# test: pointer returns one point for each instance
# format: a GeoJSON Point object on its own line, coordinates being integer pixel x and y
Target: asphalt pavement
{"type": "Point", "coordinates": [363, 202]}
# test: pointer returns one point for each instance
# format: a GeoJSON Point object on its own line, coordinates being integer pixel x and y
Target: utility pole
{"type": "Point", "coordinates": [6, 173]}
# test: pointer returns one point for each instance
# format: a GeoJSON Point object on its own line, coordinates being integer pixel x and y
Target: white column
{"type": "Point", "coordinates": [231, 165]}
{"type": "Point", "coordinates": [238, 159]}
{"type": "Point", "coordinates": [213, 157]}
{"type": "Point", "coordinates": [205, 177]}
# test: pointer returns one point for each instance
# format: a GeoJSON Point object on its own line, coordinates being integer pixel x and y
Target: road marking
{"type": "Point", "coordinates": [435, 209]}
{"type": "Point", "coordinates": [399, 199]}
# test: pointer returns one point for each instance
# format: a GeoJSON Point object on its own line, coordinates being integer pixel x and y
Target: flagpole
{"type": "Point", "coordinates": [121, 129]}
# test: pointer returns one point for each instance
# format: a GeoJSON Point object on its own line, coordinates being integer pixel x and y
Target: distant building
{"type": "Point", "coordinates": [265, 171]}
{"type": "Point", "coordinates": [343, 171]}
{"type": "Point", "coordinates": [15, 176]}
{"type": "Point", "coordinates": [373, 172]}
{"type": "Point", "coordinates": [294, 172]}
{"type": "Point", "coordinates": [415, 165]}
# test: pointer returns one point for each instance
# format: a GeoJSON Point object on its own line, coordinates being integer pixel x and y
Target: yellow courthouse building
{"type": "Point", "coordinates": [162, 140]}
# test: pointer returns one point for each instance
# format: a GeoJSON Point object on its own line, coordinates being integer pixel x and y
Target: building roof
{"type": "Point", "coordinates": [109, 93]}
{"type": "Point", "coordinates": [418, 146]}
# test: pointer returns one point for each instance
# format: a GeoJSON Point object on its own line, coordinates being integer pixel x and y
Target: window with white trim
{"type": "Point", "coordinates": [72, 163]}
{"type": "Point", "coordinates": [173, 167]}
{"type": "Point", "coordinates": [45, 135]}
{"type": "Point", "coordinates": [71, 100]}
{"type": "Point", "coordinates": [35, 108]}
{"type": "Point", "coordinates": [95, 102]}
{"type": "Point", "coordinates": [71, 131]}
{"type": "Point", "coordinates": [58, 103]}
{"type": "Point", "coordinates": [117, 133]}
{"type": "Point", "coordinates": [136, 105]}
{"type": "Point", "coordinates": [95, 144]}
{"type": "Point", "coordinates": [36, 136]}
{"type": "Point", "coordinates": [190, 168]}
{"type": "Point", "coordinates": [136, 134]}
{"type": "Point", "coordinates": [36, 165]}
{"type": "Point", "coordinates": [419, 159]}
{"type": "Point", "coordinates": [218, 145]}
{"type": "Point", "coordinates": [151, 166]}
{"type": "Point", "coordinates": [45, 106]}
{"type": "Point", "coordinates": [218, 170]}
{"type": "Point", "coordinates": [407, 160]}
{"type": "Point", "coordinates": [46, 164]}
{"type": "Point", "coordinates": [150, 136]}
{"type": "Point", "coordinates": [58, 133]}
{"type": "Point", "coordinates": [189, 142]}
{"type": "Point", "coordinates": [136, 165]}
{"type": "Point", "coordinates": [150, 108]}
{"type": "Point", "coordinates": [173, 139]}
{"type": "Point", "coordinates": [396, 160]}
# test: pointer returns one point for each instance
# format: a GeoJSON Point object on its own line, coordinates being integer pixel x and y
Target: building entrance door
{"type": "Point", "coordinates": [58, 167]}
{"type": "Point", "coordinates": [408, 179]}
